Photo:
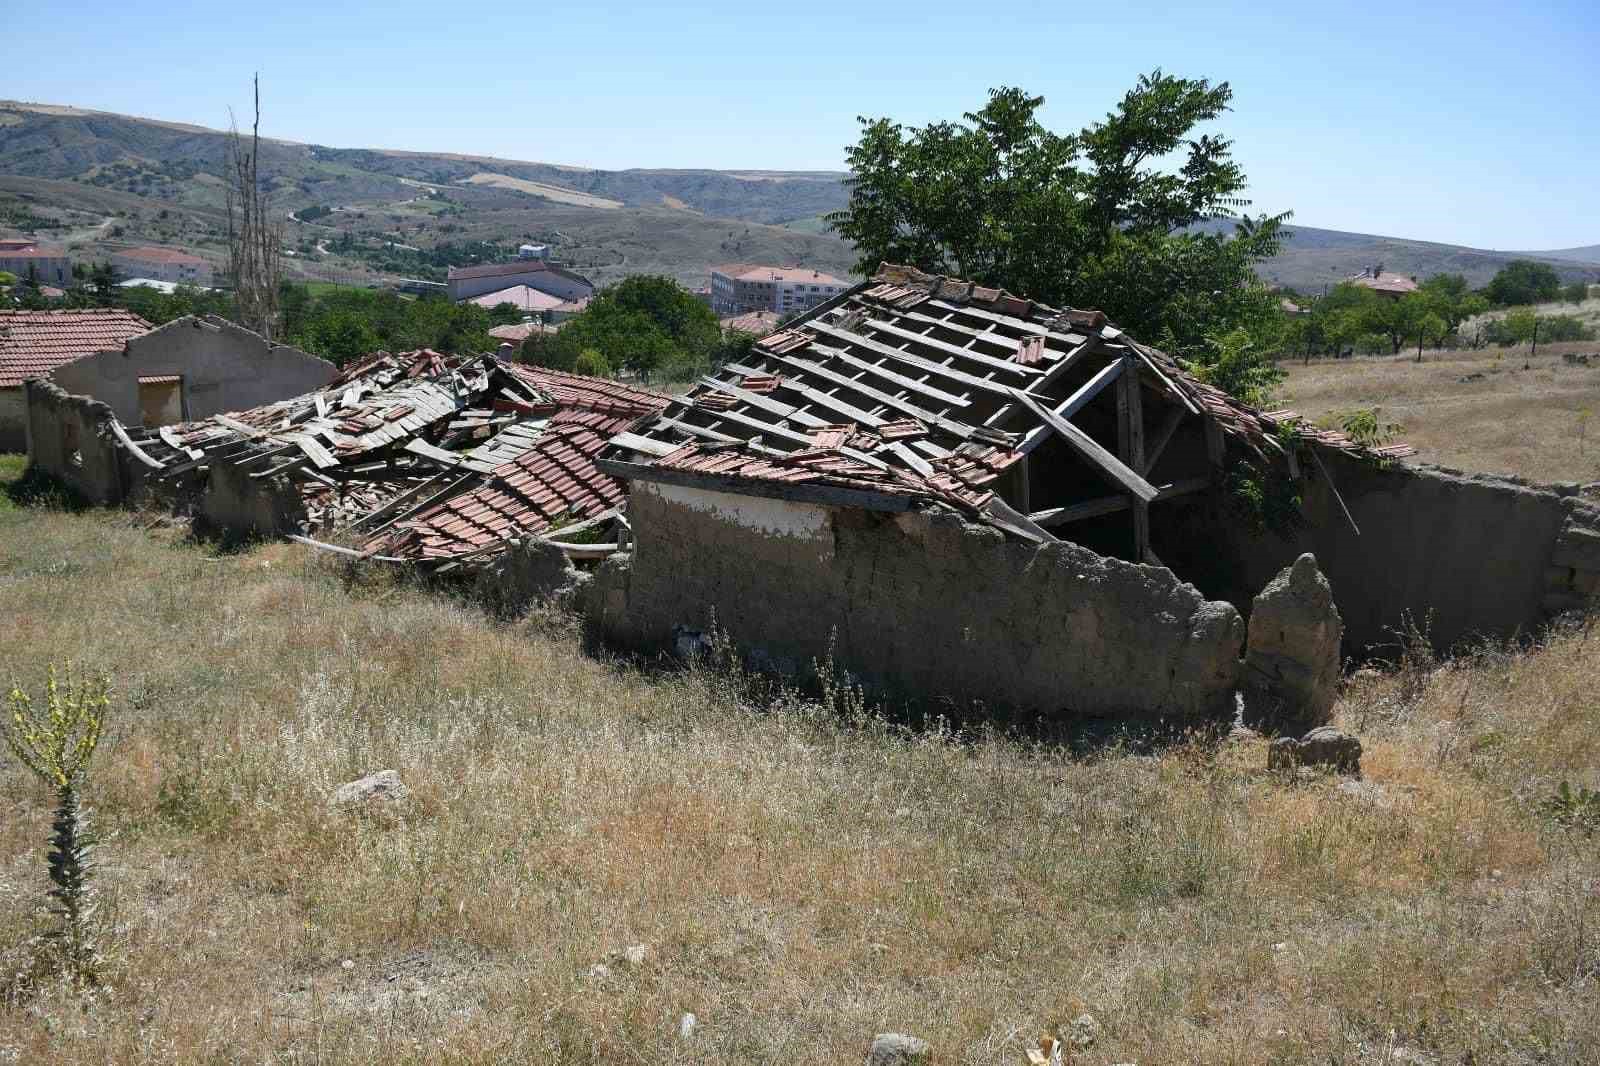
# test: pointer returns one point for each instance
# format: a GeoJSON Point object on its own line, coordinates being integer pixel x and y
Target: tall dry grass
{"type": "Point", "coordinates": [1475, 410]}
{"type": "Point", "coordinates": [801, 879]}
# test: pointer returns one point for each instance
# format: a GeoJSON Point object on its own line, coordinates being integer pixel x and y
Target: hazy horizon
{"type": "Point", "coordinates": [1467, 124]}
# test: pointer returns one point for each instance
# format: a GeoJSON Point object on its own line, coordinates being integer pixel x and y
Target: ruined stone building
{"type": "Point", "coordinates": [967, 495]}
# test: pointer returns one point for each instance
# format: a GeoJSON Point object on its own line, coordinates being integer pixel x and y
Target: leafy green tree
{"type": "Point", "coordinates": [592, 363]}
{"type": "Point", "coordinates": [645, 324]}
{"type": "Point", "coordinates": [1523, 281]}
{"type": "Point", "coordinates": [1090, 219]}
{"type": "Point", "coordinates": [1576, 293]}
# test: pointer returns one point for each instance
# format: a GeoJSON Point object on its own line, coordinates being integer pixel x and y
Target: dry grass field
{"type": "Point", "coordinates": [1476, 410]}
{"type": "Point", "coordinates": [801, 875]}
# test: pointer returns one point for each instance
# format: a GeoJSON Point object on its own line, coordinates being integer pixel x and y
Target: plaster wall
{"type": "Point", "coordinates": [1465, 555]}
{"type": "Point", "coordinates": [225, 367]}
{"type": "Point", "coordinates": [922, 605]}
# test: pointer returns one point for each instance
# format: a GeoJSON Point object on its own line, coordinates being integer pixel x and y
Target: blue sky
{"type": "Point", "coordinates": [1468, 122]}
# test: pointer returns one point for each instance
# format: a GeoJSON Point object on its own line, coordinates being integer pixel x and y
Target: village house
{"type": "Point", "coordinates": [755, 323]}
{"type": "Point", "coordinates": [172, 265]}
{"type": "Point", "coordinates": [38, 264]}
{"type": "Point", "coordinates": [191, 368]}
{"type": "Point", "coordinates": [739, 288]}
{"type": "Point", "coordinates": [1384, 282]}
{"type": "Point", "coordinates": [960, 494]}
{"type": "Point", "coordinates": [33, 344]}
{"type": "Point", "coordinates": [465, 283]}
{"type": "Point", "coordinates": [532, 302]}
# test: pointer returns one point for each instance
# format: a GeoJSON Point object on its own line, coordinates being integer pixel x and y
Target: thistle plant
{"type": "Point", "coordinates": [56, 742]}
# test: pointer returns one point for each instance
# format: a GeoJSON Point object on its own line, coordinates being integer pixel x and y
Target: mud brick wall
{"type": "Point", "coordinates": [1470, 556]}
{"type": "Point", "coordinates": [69, 438]}
{"type": "Point", "coordinates": [919, 605]}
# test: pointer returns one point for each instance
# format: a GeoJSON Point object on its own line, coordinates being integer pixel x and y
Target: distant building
{"type": "Point", "coordinates": [755, 323]}
{"type": "Point", "coordinates": [738, 288]}
{"type": "Point", "coordinates": [531, 302]}
{"type": "Point", "coordinates": [533, 251]}
{"type": "Point", "coordinates": [33, 344]}
{"type": "Point", "coordinates": [39, 263]}
{"type": "Point", "coordinates": [469, 281]}
{"type": "Point", "coordinates": [1384, 282]}
{"type": "Point", "coordinates": [163, 264]}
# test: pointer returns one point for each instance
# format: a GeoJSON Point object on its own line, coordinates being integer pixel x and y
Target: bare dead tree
{"type": "Point", "coordinates": [255, 240]}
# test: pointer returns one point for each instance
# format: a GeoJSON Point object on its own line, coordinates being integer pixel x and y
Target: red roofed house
{"type": "Point", "coordinates": [469, 281]}
{"type": "Point", "coordinates": [34, 262]}
{"type": "Point", "coordinates": [1384, 282]}
{"type": "Point", "coordinates": [35, 343]}
{"type": "Point", "coordinates": [738, 288]}
{"type": "Point", "coordinates": [163, 264]}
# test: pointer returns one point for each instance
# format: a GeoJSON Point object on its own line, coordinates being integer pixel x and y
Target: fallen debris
{"type": "Point", "coordinates": [383, 790]}
{"type": "Point", "coordinates": [1324, 748]}
{"type": "Point", "coordinates": [1292, 657]}
{"type": "Point", "coordinates": [440, 461]}
{"type": "Point", "coordinates": [897, 1049]}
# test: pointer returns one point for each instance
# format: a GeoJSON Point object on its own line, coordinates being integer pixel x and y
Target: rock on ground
{"type": "Point", "coordinates": [382, 789]}
{"type": "Point", "coordinates": [897, 1049]}
{"type": "Point", "coordinates": [1292, 652]}
{"type": "Point", "coordinates": [1323, 748]}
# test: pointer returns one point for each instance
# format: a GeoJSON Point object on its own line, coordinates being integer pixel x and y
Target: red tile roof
{"type": "Point", "coordinates": [519, 295]}
{"type": "Point", "coordinates": [33, 343]}
{"type": "Point", "coordinates": [755, 323]}
{"type": "Point", "coordinates": [924, 387]}
{"type": "Point", "coordinates": [153, 254]}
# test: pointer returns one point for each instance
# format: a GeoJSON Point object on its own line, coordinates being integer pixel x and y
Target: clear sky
{"type": "Point", "coordinates": [1470, 122]}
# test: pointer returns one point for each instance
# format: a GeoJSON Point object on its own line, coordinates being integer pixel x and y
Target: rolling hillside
{"type": "Point", "coordinates": [97, 181]}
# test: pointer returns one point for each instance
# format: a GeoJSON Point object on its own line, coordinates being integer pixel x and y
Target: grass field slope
{"type": "Point", "coordinates": [798, 874]}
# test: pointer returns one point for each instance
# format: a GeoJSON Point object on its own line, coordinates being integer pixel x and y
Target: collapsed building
{"type": "Point", "coordinates": [961, 493]}
{"type": "Point", "coordinates": [440, 461]}
{"type": "Point", "coordinates": [953, 493]}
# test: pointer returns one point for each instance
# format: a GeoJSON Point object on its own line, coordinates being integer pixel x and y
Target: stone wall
{"type": "Point", "coordinates": [235, 504]}
{"type": "Point", "coordinates": [69, 438]}
{"type": "Point", "coordinates": [1466, 555]}
{"type": "Point", "coordinates": [920, 605]}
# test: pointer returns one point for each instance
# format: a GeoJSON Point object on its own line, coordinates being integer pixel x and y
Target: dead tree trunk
{"type": "Point", "coordinates": [255, 241]}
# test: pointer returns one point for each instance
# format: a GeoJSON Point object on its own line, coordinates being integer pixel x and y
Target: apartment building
{"type": "Point", "coordinates": [162, 264]}
{"type": "Point", "coordinates": [739, 288]}
{"type": "Point", "coordinates": [39, 263]}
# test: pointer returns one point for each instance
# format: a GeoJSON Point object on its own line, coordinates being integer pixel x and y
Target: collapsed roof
{"type": "Point", "coordinates": [915, 390]}
{"type": "Point", "coordinates": [419, 457]}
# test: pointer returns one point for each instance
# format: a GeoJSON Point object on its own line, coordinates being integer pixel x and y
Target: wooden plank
{"type": "Point", "coordinates": [1131, 409]}
{"type": "Point", "coordinates": [953, 349]}
{"type": "Point", "coordinates": [643, 444]}
{"type": "Point", "coordinates": [340, 550]}
{"type": "Point", "coordinates": [990, 336]}
{"type": "Point", "coordinates": [414, 500]}
{"type": "Point", "coordinates": [1008, 320]}
{"type": "Point", "coordinates": [1006, 517]}
{"type": "Point", "coordinates": [928, 365]}
{"type": "Point", "coordinates": [912, 459]}
{"type": "Point", "coordinates": [765, 403]}
{"type": "Point", "coordinates": [238, 427]}
{"type": "Point", "coordinates": [800, 492]}
{"type": "Point", "coordinates": [1150, 364]}
{"type": "Point", "coordinates": [833, 403]}
{"type": "Point", "coordinates": [1105, 505]}
{"type": "Point", "coordinates": [1090, 450]}
{"type": "Point", "coordinates": [1163, 438]}
{"type": "Point", "coordinates": [910, 384]}
{"type": "Point", "coordinates": [904, 406]}
{"type": "Point", "coordinates": [1216, 449]}
{"type": "Point", "coordinates": [133, 449]}
{"type": "Point", "coordinates": [694, 430]}
{"type": "Point", "coordinates": [1074, 403]}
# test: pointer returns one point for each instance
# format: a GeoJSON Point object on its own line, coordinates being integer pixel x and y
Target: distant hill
{"type": "Point", "coordinates": [1587, 254]}
{"type": "Point", "coordinates": [1314, 257]}
{"type": "Point", "coordinates": [98, 181]}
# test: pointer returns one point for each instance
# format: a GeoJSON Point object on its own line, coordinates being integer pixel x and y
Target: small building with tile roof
{"type": "Point", "coordinates": [466, 282]}
{"type": "Point", "coordinates": [1384, 282]}
{"type": "Point", "coordinates": [35, 343]}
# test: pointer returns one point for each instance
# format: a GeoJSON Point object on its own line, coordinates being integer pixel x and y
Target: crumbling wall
{"type": "Point", "coordinates": [1466, 555]}
{"type": "Point", "coordinates": [919, 604]}
{"type": "Point", "coordinates": [13, 420]}
{"type": "Point", "coordinates": [69, 438]}
{"type": "Point", "coordinates": [239, 505]}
